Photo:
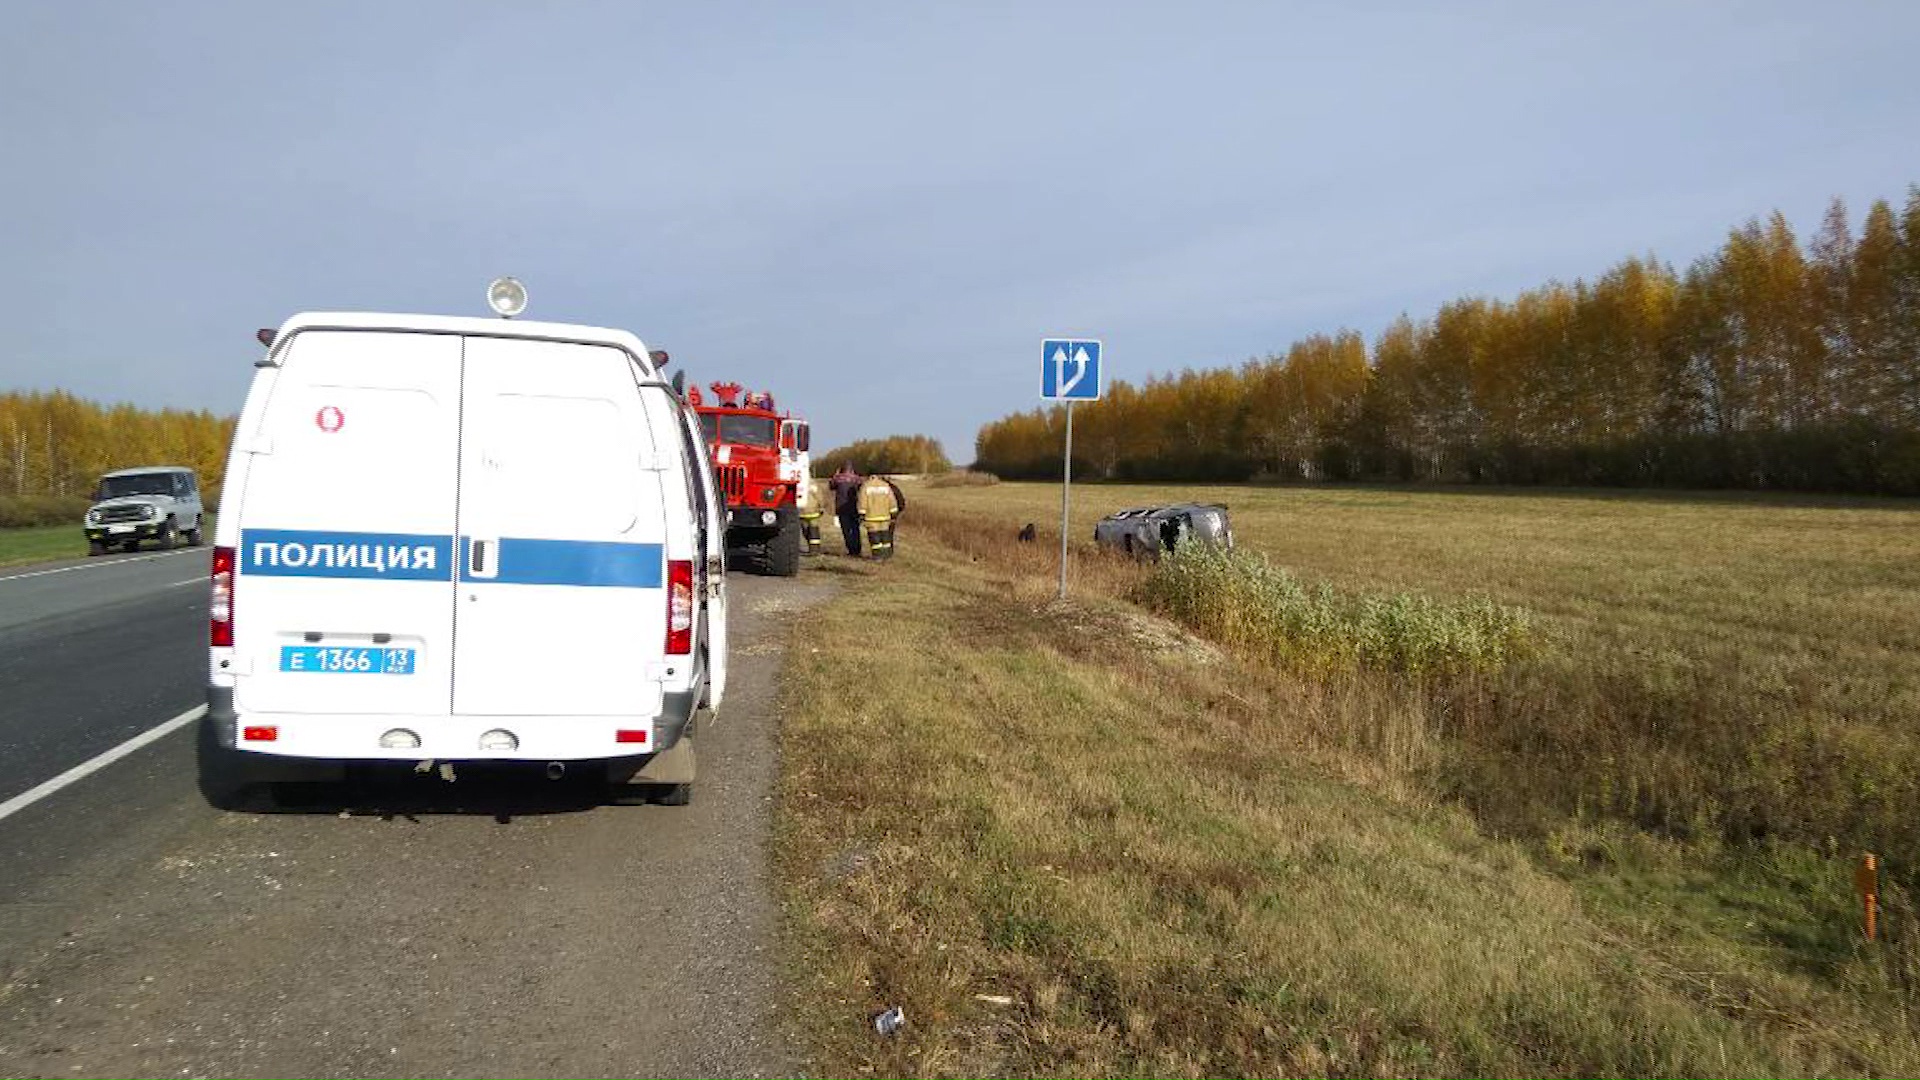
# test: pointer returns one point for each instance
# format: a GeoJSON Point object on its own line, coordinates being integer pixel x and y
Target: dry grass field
{"type": "Point", "coordinates": [1077, 838]}
{"type": "Point", "coordinates": [1828, 578]}
{"type": "Point", "coordinates": [1743, 664]}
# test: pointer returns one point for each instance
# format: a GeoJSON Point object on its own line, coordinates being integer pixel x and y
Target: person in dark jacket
{"type": "Point", "coordinates": [845, 484]}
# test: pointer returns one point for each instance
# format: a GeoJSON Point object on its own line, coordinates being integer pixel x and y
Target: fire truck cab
{"type": "Point", "coordinates": [796, 462]}
{"type": "Point", "coordinates": [760, 458]}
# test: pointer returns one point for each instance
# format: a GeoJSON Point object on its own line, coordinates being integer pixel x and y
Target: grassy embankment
{"type": "Point", "coordinates": [41, 528]}
{"type": "Point", "coordinates": [41, 543]}
{"type": "Point", "coordinates": [45, 528]}
{"type": "Point", "coordinates": [1607, 855]}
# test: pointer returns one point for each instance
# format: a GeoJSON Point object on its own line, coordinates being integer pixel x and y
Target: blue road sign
{"type": "Point", "coordinates": [1069, 370]}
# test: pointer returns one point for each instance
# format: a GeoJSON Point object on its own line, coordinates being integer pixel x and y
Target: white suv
{"type": "Point", "coordinates": [160, 504]}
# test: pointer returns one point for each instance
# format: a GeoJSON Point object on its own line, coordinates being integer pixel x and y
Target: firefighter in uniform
{"type": "Point", "coordinates": [880, 503]}
{"type": "Point", "coordinates": [812, 504]}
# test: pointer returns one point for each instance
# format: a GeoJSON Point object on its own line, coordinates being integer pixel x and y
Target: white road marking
{"type": "Point", "coordinates": [98, 565]}
{"type": "Point", "coordinates": [88, 768]}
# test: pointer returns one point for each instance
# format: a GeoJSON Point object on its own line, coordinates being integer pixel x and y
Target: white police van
{"type": "Point", "coordinates": [452, 540]}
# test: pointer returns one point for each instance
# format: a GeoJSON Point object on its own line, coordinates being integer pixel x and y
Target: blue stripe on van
{"type": "Point", "coordinates": [572, 562]}
{"type": "Point", "coordinates": [311, 553]}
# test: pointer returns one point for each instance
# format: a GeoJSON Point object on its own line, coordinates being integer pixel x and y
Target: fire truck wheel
{"type": "Point", "coordinates": [783, 550]}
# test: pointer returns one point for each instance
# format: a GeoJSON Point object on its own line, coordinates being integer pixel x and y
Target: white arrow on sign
{"type": "Point", "coordinates": [1063, 386]}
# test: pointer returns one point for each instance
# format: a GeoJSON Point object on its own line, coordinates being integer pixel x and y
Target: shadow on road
{"type": "Point", "coordinates": [396, 794]}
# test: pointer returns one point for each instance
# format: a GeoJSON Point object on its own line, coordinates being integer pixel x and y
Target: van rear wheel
{"type": "Point", "coordinates": [224, 782]}
{"type": "Point", "coordinates": [665, 780]}
{"type": "Point", "coordinates": [194, 537]}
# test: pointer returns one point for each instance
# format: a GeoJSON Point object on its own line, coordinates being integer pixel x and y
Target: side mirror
{"type": "Point", "coordinates": [680, 383]}
{"type": "Point", "coordinates": [264, 336]}
{"type": "Point", "coordinates": [806, 438]}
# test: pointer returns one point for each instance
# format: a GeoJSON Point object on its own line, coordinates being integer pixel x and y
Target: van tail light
{"type": "Point", "coordinates": [679, 607]}
{"type": "Point", "coordinates": [220, 610]}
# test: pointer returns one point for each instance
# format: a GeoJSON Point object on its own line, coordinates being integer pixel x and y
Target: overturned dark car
{"type": "Point", "coordinates": [1147, 532]}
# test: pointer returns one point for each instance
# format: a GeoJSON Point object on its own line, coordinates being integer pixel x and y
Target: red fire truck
{"type": "Point", "coordinates": [759, 457]}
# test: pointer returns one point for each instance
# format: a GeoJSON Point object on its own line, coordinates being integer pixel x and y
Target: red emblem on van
{"type": "Point", "coordinates": [329, 419]}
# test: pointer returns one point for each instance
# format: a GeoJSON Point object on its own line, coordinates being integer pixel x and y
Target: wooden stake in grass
{"type": "Point", "coordinates": [1866, 879]}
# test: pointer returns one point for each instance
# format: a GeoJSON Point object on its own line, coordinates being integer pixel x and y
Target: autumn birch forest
{"type": "Point", "coordinates": [56, 445]}
{"type": "Point", "coordinates": [1768, 364]}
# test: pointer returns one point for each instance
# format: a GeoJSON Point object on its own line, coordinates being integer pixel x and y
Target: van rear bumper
{"type": "Point", "coordinates": [221, 717]}
{"type": "Point", "coordinates": [356, 737]}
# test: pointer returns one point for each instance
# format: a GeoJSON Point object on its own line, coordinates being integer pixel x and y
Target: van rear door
{"type": "Point", "coordinates": [712, 574]}
{"type": "Point", "coordinates": [343, 597]}
{"type": "Point", "coordinates": [561, 606]}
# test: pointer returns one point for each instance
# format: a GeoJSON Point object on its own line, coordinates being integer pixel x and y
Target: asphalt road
{"type": "Point", "coordinates": [93, 653]}
{"type": "Point", "coordinates": [398, 926]}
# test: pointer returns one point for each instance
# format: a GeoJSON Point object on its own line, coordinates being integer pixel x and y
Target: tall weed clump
{"type": "Point", "coordinates": [1246, 603]}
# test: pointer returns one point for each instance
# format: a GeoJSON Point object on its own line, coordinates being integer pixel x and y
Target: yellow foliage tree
{"type": "Point", "coordinates": [1762, 366]}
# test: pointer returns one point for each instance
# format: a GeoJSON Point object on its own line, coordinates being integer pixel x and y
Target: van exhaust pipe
{"type": "Point", "coordinates": [556, 769]}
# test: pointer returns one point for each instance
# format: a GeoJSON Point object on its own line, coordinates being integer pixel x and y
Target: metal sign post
{"type": "Point", "coordinates": [1069, 372]}
{"type": "Point", "coordinates": [1066, 488]}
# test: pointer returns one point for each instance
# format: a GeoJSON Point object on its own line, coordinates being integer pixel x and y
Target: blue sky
{"type": "Point", "coordinates": [878, 210]}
